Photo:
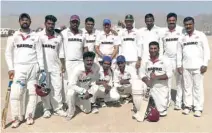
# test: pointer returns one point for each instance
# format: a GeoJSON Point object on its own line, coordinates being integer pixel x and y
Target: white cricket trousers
{"type": "Point", "coordinates": [124, 90]}
{"type": "Point", "coordinates": [73, 99]}
{"type": "Point", "coordinates": [113, 95]}
{"type": "Point", "coordinates": [179, 84]}
{"type": "Point", "coordinates": [25, 78]}
{"type": "Point", "coordinates": [193, 89]}
{"type": "Point", "coordinates": [54, 99]}
{"type": "Point", "coordinates": [160, 96]}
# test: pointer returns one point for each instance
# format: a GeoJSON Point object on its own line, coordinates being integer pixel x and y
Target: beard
{"type": "Point", "coordinates": [25, 26]}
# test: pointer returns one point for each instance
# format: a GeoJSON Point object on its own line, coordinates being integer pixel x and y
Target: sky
{"type": "Point", "coordinates": [93, 8]}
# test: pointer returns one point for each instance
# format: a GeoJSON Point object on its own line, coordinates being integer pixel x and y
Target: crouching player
{"type": "Point", "coordinates": [105, 82]}
{"type": "Point", "coordinates": [122, 79]}
{"type": "Point", "coordinates": [81, 91]}
{"type": "Point", "coordinates": [155, 74]}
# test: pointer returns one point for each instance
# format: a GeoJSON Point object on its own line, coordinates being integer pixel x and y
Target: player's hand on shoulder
{"type": "Point", "coordinates": [180, 70]}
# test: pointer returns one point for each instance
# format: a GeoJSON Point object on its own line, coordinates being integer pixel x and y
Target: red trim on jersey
{"type": "Point", "coordinates": [24, 38]}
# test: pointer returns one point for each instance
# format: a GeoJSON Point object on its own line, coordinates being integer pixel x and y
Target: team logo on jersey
{"type": "Point", "coordinates": [171, 39]}
{"type": "Point", "coordinates": [178, 34]}
{"type": "Point", "coordinates": [190, 43]}
{"type": "Point", "coordinates": [197, 37]}
{"type": "Point", "coordinates": [32, 39]}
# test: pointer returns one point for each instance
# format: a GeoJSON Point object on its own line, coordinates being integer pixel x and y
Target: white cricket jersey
{"type": "Point", "coordinates": [119, 76]}
{"type": "Point", "coordinates": [161, 67]}
{"type": "Point", "coordinates": [24, 48]}
{"type": "Point", "coordinates": [73, 45]}
{"type": "Point", "coordinates": [52, 46]}
{"type": "Point", "coordinates": [169, 41]}
{"type": "Point", "coordinates": [130, 44]}
{"type": "Point", "coordinates": [147, 37]}
{"type": "Point", "coordinates": [81, 81]}
{"type": "Point", "coordinates": [90, 39]}
{"type": "Point", "coordinates": [106, 76]}
{"type": "Point", "coordinates": [193, 51]}
{"type": "Point", "coordinates": [106, 43]}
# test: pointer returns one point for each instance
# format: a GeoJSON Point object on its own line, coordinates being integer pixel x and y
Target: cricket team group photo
{"type": "Point", "coordinates": [149, 72]}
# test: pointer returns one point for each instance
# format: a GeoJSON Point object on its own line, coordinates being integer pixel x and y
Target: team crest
{"type": "Point", "coordinates": [197, 37]}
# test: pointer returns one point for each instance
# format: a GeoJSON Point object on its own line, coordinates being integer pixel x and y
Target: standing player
{"type": "Point", "coordinates": [149, 33]}
{"type": "Point", "coordinates": [24, 57]}
{"type": "Point", "coordinates": [90, 33]}
{"type": "Point", "coordinates": [52, 45]}
{"type": "Point", "coordinates": [155, 73]}
{"type": "Point", "coordinates": [131, 50]}
{"type": "Point", "coordinates": [107, 42]}
{"type": "Point", "coordinates": [169, 42]}
{"type": "Point", "coordinates": [193, 56]}
{"type": "Point", "coordinates": [122, 79]}
{"type": "Point", "coordinates": [73, 45]}
{"type": "Point", "coordinates": [82, 91]}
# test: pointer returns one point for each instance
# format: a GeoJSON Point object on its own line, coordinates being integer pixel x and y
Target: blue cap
{"type": "Point", "coordinates": [120, 58]}
{"type": "Point", "coordinates": [107, 58]}
{"type": "Point", "coordinates": [106, 21]}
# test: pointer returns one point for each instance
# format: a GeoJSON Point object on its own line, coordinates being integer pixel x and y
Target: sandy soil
{"type": "Point", "coordinates": [114, 119]}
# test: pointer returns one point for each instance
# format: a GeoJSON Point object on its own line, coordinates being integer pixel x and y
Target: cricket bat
{"type": "Point", "coordinates": [5, 110]}
{"type": "Point", "coordinates": [144, 105]}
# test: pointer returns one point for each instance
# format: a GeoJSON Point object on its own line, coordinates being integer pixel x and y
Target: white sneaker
{"type": "Point", "coordinates": [103, 104]}
{"type": "Point", "coordinates": [47, 114]}
{"type": "Point", "coordinates": [197, 113]}
{"type": "Point", "coordinates": [137, 117]}
{"type": "Point", "coordinates": [30, 121]}
{"type": "Point", "coordinates": [61, 113]}
{"type": "Point", "coordinates": [69, 117]}
{"type": "Point", "coordinates": [186, 111]}
{"type": "Point", "coordinates": [176, 107]}
{"type": "Point", "coordinates": [164, 113]}
{"type": "Point", "coordinates": [16, 123]}
{"type": "Point", "coordinates": [95, 110]}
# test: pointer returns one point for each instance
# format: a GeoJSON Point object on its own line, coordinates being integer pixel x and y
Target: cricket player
{"type": "Point", "coordinates": [131, 49]}
{"type": "Point", "coordinates": [169, 41]}
{"type": "Point", "coordinates": [81, 91]}
{"type": "Point", "coordinates": [52, 45]}
{"type": "Point", "coordinates": [74, 47]}
{"type": "Point", "coordinates": [122, 79]}
{"type": "Point", "coordinates": [24, 57]}
{"type": "Point", "coordinates": [193, 55]}
{"type": "Point", "coordinates": [155, 73]}
{"type": "Point", "coordinates": [107, 42]}
{"type": "Point", "coordinates": [90, 33]}
{"type": "Point", "coordinates": [106, 89]}
{"type": "Point", "coordinates": [149, 33]}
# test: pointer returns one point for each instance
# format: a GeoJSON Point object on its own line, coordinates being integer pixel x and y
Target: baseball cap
{"type": "Point", "coordinates": [120, 58]}
{"type": "Point", "coordinates": [24, 15]}
{"type": "Point", "coordinates": [129, 17]}
{"type": "Point", "coordinates": [107, 58]}
{"type": "Point", "coordinates": [75, 17]}
{"type": "Point", "coordinates": [106, 21]}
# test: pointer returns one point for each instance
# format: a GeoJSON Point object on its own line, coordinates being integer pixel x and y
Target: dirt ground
{"type": "Point", "coordinates": [114, 119]}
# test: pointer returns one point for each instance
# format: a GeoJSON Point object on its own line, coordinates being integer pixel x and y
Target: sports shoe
{"type": "Point", "coordinates": [186, 111]}
{"type": "Point", "coordinates": [197, 113]}
{"type": "Point", "coordinates": [103, 104]}
{"type": "Point", "coordinates": [16, 123]}
{"type": "Point", "coordinates": [176, 107]}
{"type": "Point", "coordinates": [137, 117]}
{"type": "Point", "coordinates": [69, 117]}
{"type": "Point", "coordinates": [47, 114]}
{"type": "Point", "coordinates": [30, 120]}
{"type": "Point", "coordinates": [61, 113]}
{"type": "Point", "coordinates": [94, 109]}
{"type": "Point", "coordinates": [163, 114]}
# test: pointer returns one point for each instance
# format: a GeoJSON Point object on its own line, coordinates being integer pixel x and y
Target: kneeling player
{"type": "Point", "coordinates": [155, 74]}
{"type": "Point", "coordinates": [81, 91]}
{"type": "Point", "coordinates": [122, 79]}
